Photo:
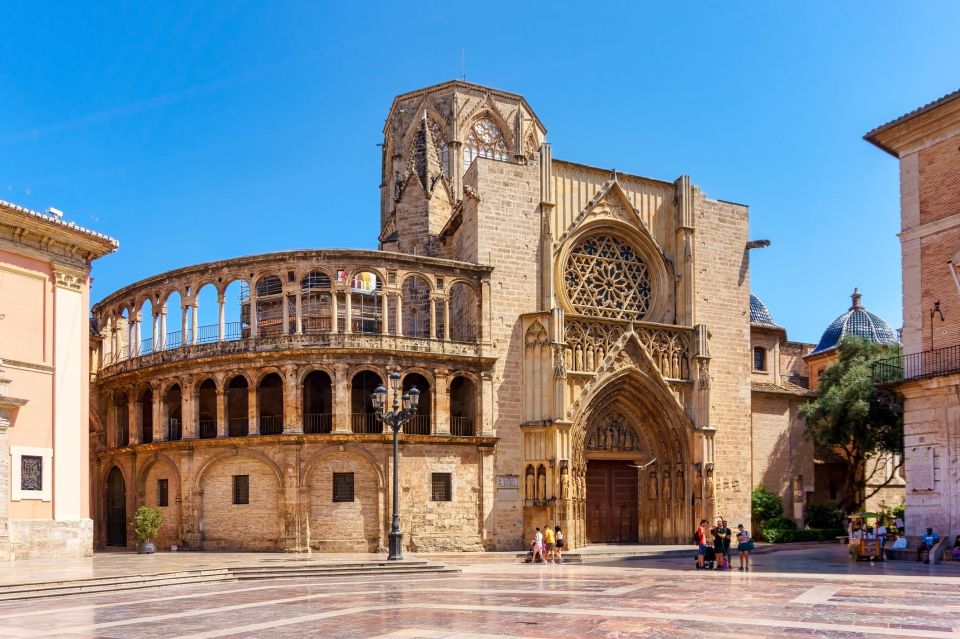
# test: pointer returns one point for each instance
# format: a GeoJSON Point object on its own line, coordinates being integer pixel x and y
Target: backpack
{"type": "Point", "coordinates": [696, 537]}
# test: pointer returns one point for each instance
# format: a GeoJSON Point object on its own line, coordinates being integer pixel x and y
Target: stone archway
{"type": "Point", "coordinates": [632, 464]}
{"type": "Point", "coordinates": [116, 509]}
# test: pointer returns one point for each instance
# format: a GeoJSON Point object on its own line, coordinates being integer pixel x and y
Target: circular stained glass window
{"type": "Point", "coordinates": [605, 277]}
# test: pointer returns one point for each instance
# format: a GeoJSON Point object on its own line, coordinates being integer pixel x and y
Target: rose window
{"type": "Point", "coordinates": [484, 140]}
{"type": "Point", "coordinates": [606, 278]}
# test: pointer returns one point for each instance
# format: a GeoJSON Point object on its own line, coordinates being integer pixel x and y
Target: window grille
{"type": "Point", "coordinates": [163, 498]}
{"type": "Point", "coordinates": [440, 485]}
{"type": "Point", "coordinates": [31, 472]}
{"type": "Point", "coordinates": [759, 359]}
{"type": "Point", "coordinates": [241, 489]}
{"type": "Point", "coordinates": [342, 487]}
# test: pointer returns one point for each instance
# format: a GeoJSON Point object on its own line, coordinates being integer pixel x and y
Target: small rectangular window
{"type": "Point", "coordinates": [241, 489]}
{"type": "Point", "coordinates": [440, 487]}
{"type": "Point", "coordinates": [759, 359]}
{"type": "Point", "coordinates": [31, 472]}
{"type": "Point", "coordinates": [342, 487]}
{"type": "Point", "coordinates": [162, 495]}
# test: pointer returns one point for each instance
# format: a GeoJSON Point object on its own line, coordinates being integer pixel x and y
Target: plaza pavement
{"type": "Point", "coordinates": [812, 591]}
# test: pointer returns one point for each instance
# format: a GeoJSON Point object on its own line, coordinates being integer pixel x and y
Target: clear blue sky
{"type": "Point", "coordinates": [194, 133]}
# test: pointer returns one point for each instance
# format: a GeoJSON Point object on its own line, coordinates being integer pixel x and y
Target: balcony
{"type": "Point", "coordinates": [924, 365]}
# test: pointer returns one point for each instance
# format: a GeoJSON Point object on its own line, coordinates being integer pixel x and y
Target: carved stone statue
{"type": "Point", "coordinates": [615, 435]}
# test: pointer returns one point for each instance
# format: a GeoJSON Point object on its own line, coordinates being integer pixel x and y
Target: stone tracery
{"type": "Point", "coordinates": [484, 140]}
{"type": "Point", "coordinates": [605, 277]}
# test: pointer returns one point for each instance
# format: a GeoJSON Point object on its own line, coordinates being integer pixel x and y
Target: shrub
{"type": "Point", "coordinates": [765, 505]}
{"type": "Point", "coordinates": [147, 522]}
{"type": "Point", "coordinates": [824, 516]}
{"type": "Point", "coordinates": [784, 535]}
{"type": "Point", "coordinates": [780, 523]}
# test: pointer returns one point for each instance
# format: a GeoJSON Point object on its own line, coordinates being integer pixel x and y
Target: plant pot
{"type": "Point", "coordinates": [146, 548]}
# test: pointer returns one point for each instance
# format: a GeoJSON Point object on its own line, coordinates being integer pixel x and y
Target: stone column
{"type": "Point", "coordinates": [299, 310]}
{"type": "Point", "coordinates": [253, 311]}
{"type": "Point", "coordinates": [292, 418]}
{"type": "Point", "coordinates": [132, 406]}
{"type": "Point", "coordinates": [156, 329]}
{"type": "Point", "coordinates": [441, 402]}
{"type": "Point", "coordinates": [446, 318]}
{"type": "Point", "coordinates": [221, 412]}
{"type": "Point", "coordinates": [221, 318]}
{"type": "Point", "coordinates": [400, 313]}
{"type": "Point", "coordinates": [159, 416]}
{"type": "Point", "coordinates": [188, 409]}
{"type": "Point", "coordinates": [285, 311]}
{"type": "Point", "coordinates": [136, 421]}
{"type": "Point", "coordinates": [341, 399]}
{"type": "Point", "coordinates": [163, 330]}
{"type": "Point", "coordinates": [252, 417]}
{"type": "Point", "coordinates": [348, 312]}
{"type": "Point", "coordinates": [384, 313]}
{"type": "Point", "coordinates": [183, 324]}
{"type": "Point", "coordinates": [433, 317]}
{"type": "Point", "coordinates": [195, 320]}
{"type": "Point", "coordinates": [335, 323]}
{"type": "Point", "coordinates": [485, 410]}
{"type": "Point", "coordinates": [135, 347]}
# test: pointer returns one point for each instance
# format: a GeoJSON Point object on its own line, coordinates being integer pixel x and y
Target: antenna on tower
{"type": "Point", "coordinates": [463, 75]}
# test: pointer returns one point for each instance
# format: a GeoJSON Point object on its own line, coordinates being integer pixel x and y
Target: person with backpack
{"type": "Point", "coordinates": [700, 539]}
{"type": "Point", "coordinates": [721, 543]}
{"type": "Point", "coordinates": [745, 546]}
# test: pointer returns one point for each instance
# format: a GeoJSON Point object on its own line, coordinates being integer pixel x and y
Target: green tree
{"type": "Point", "coordinates": [857, 420]}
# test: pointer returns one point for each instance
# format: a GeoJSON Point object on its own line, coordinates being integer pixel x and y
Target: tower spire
{"type": "Point", "coordinates": [855, 297]}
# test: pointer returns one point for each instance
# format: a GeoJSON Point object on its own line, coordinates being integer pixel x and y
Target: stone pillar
{"type": "Point", "coordinates": [285, 312]}
{"type": "Point", "coordinates": [135, 347]}
{"type": "Point", "coordinates": [485, 410]}
{"type": "Point", "coordinates": [446, 318]}
{"type": "Point", "coordinates": [292, 415]}
{"type": "Point", "coordinates": [486, 330]}
{"type": "Point", "coordinates": [136, 421]}
{"type": "Point", "coordinates": [221, 318]}
{"type": "Point", "coordinates": [335, 323]}
{"type": "Point", "coordinates": [341, 399]}
{"type": "Point", "coordinates": [221, 412]}
{"type": "Point", "coordinates": [188, 409]}
{"type": "Point", "coordinates": [159, 416]}
{"type": "Point", "coordinates": [156, 329]}
{"type": "Point", "coordinates": [299, 311]}
{"type": "Point", "coordinates": [400, 313]}
{"type": "Point", "coordinates": [184, 327]}
{"type": "Point", "coordinates": [433, 317]}
{"type": "Point", "coordinates": [132, 406]}
{"type": "Point", "coordinates": [195, 320]}
{"type": "Point", "coordinates": [252, 417]}
{"type": "Point", "coordinates": [441, 402]}
{"type": "Point", "coordinates": [384, 313]}
{"type": "Point", "coordinates": [348, 313]}
{"type": "Point", "coordinates": [163, 330]}
{"type": "Point", "coordinates": [253, 311]}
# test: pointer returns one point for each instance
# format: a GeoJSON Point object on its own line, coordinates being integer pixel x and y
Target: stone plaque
{"type": "Point", "coordinates": [920, 471]}
{"type": "Point", "coordinates": [508, 482]}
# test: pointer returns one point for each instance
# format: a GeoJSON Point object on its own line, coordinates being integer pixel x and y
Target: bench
{"type": "Point", "coordinates": [910, 552]}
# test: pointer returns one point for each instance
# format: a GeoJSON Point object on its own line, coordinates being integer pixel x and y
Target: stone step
{"type": "Point", "coordinates": [61, 588]}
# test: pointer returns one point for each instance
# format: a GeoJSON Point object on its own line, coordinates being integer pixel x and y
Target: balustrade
{"type": "Point", "coordinates": [271, 424]}
{"type": "Point", "coordinates": [461, 426]}
{"type": "Point", "coordinates": [365, 423]}
{"type": "Point", "coordinates": [315, 423]}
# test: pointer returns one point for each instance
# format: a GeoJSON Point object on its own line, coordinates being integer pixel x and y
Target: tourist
{"type": "Point", "coordinates": [721, 543]}
{"type": "Point", "coordinates": [549, 539]}
{"type": "Point", "coordinates": [700, 538]}
{"type": "Point", "coordinates": [538, 547]}
{"type": "Point", "coordinates": [744, 545]}
{"type": "Point", "coordinates": [558, 549]}
{"type": "Point", "coordinates": [926, 545]}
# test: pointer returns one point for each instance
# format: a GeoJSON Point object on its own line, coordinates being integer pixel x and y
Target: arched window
{"type": "Point", "coordinates": [207, 400]}
{"type": "Point", "coordinates": [416, 307]}
{"type": "Point", "coordinates": [146, 416]}
{"type": "Point", "coordinates": [173, 401]}
{"type": "Point", "coordinates": [269, 306]}
{"type": "Point", "coordinates": [238, 420]}
{"type": "Point", "coordinates": [316, 306]}
{"type": "Point", "coordinates": [317, 403]}
{"type": "Point", "coordinates": [122, 434]}
{"type": "Point", "coordinates": [605, 277]}
{"type": "Point", "coordinates": [362, 418]}
{"type": "Point", "coordinates": [463, 407]}
{"type": "Point", "coordinates": [419, 424]}
{"type": "Point", "coordinates": [484, 140]}
{"type": "Point", "coordinates": [441, 143]}
{"type": "Point", "coordinates": [270, 404]}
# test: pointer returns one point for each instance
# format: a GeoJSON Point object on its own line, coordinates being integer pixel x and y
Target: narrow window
{"type": "Point", "coordinates": [241, 489]}
{"type": "Point", "coordinates": [342, 487]}
{"type": "Point", "coordinates": [440, 483]}
{"type": "Point", "coordinates": [759, 359]}
{"type": "Point", "coordinates": [162, 495]}
{"type": "Point", "coordinates": [31, 472]}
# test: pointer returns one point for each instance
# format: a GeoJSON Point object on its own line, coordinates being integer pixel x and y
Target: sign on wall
{"type": "Point", "coordinates": [508, 482]}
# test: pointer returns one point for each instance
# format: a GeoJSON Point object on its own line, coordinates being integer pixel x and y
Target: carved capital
{"type": "Point", "coordinates": [69, 279]}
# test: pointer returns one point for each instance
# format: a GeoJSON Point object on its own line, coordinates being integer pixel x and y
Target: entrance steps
{"type": "Point", "coordinates": [282, 570]}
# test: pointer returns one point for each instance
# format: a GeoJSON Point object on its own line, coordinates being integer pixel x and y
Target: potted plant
{"type": "Point", "coordinates": [146, 525]}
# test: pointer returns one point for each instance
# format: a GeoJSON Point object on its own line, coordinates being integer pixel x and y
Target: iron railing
{"type": "Point", "coordinates": [208, 429]}
{"type": "Point", "coordinates": [271, 424]}
{"type": "Point", "coordinates": [365, 423]}
{"type": "Point", "coordinates": [317, 423]}
{"type": "Point", "coordinates": [417, 425]}
{"type": "Point", "coordinates": [932, 363]}
{"type": "Point", "coordinates": [238, 427]}
{"type": "Point", "coordinates": [461, 426]}
{"type": "Point", "coordinates": [174, 432]}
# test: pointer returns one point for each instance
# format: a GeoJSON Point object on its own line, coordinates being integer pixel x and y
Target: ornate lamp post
{"type": "Point", "coordinates": [395, 418]}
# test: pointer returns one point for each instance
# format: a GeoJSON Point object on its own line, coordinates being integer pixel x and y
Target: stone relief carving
{"type": "Point", "coordinates": [589, 342]}
{"type": "Point", "coordinates": [69, 280]}
{"type": "Point", "coordinates": [615, 435]}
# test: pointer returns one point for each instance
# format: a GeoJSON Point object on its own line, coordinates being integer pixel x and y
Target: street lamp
{"type": "Point", "coordinates": [402, 410]}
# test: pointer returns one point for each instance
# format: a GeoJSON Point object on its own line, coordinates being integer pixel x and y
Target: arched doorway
{"type": "Point", "coordinates": [116, 509]}
{"type": "Point", "coordinates": [614, 456]}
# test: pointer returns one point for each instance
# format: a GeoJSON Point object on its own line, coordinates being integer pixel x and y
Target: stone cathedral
{"type": "Point", "coordinates": [581, 338]}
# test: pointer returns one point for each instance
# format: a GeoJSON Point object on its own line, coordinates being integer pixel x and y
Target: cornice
{"type": "Point", "coordinates": [47, 236]}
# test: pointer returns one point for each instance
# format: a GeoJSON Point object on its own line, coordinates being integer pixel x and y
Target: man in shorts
{"type": "Point", "coordinates": [550, 541]}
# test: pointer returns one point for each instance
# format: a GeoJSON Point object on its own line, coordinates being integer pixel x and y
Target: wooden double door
{"type": "Point", "coordinates": [612, 502]}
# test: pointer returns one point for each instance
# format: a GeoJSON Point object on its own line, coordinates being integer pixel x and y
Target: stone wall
{"type": "Point", "coordinates": [50, 539]}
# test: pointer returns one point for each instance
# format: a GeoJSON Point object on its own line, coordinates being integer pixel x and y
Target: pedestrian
{"type": "Point", "coordinates": [701, 539]}
{"type": "Point", "coordinates": [927, 543]}
{"type": "Point", "coordinates": [744, 545]}
{"type": "Point", "coordinates": [721, 544]}
{"type": "Point", "coordinates": [560, 543]}
{"type": "Point", "coordinates": [538, 547]}
{"type": "Point", "coordinates": [550, 541]}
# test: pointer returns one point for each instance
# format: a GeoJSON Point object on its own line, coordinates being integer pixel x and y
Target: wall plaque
{"type": "Point", "coordinates": [508, 481]}
{"type": "Point", "coordinates": [920, 469]}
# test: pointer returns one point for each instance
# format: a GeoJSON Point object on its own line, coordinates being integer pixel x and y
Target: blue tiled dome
{"type": "Point", "coordinates": [856, 321]}
{"type": "Point", "coordinates": [759, 314]}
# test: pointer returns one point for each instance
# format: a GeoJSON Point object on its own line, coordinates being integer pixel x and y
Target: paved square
{"type": "Point", "coordinates": [805, 593]}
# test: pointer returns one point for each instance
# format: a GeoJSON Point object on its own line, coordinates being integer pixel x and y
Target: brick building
{"type": "Point", "coordinates": [581, 338]}
{"type": "Point", "coordinates": [927, 143]}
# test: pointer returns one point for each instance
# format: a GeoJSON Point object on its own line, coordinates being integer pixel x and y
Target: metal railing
{"type": "Point", "coordinates": [365, 423]}
{"type": "Point", "coordinates": [271, 424]}
{"type": "Point", "coordinates": [238, 427]}
{"type": "Point", "coordinates": [417, 425]}
{"type": "Point", "coordinates": [314, 423]}
{"type": "Point", "coordinates": [461, 426]}
{"type": "Point", "coordinates": [174, 431]}
{"type": "Point", "coordinates": [932, 363]}
{"type": "Point", "coordinates": [146, 346]}
{"type": "Point", "coordinates": [207, 428]}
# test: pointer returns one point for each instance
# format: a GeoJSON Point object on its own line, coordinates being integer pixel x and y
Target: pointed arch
{"type": "Point", "coordinates": [485, 136]}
